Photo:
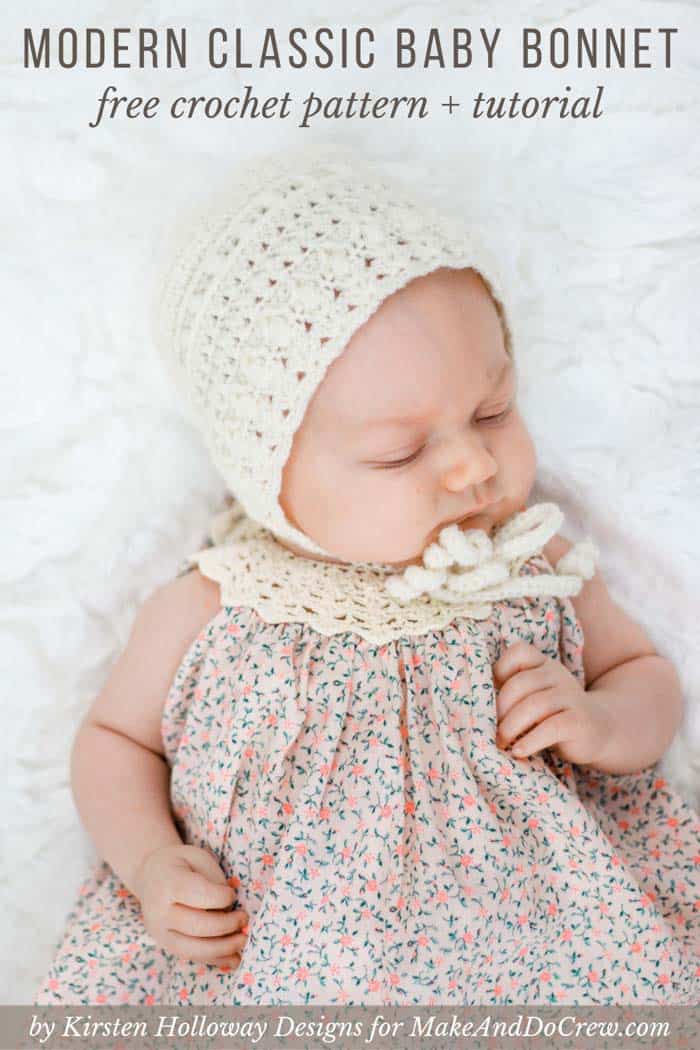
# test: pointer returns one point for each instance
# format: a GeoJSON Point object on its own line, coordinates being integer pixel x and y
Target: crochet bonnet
{"type": "Point", "coordinates": [268, 284]}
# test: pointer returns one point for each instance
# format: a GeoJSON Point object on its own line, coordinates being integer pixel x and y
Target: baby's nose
{"type": "Point", "coordinates": [471, 463]}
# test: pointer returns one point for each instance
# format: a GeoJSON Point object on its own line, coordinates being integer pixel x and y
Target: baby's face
{"type": "Point", "coordinates": [413, 426]}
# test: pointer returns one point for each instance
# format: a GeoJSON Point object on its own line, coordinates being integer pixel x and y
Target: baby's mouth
{"type": "Point", "coordinates": [473, 520]}
{"type": "Point", "coordinates": [476, 519]}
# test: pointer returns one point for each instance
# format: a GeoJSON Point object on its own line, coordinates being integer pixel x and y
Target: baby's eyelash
{"type": "Point", "coordinates": [497, 418]}
{"type": "Point", "coordinates": [400, 462]}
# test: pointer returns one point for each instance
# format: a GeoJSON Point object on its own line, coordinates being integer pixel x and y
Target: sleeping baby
{"type": "Point", "coordinates": [388, 740]}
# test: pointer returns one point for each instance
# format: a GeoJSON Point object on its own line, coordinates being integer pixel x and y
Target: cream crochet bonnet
{"type": "Point", "coordinates": [268, 285]}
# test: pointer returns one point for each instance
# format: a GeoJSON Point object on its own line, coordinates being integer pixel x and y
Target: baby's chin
{"type": "Point", "coordinates": [487, 522]}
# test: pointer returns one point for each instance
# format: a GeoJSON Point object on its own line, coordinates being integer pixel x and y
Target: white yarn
{"type": "Point", "coordinates": [267, 288]}
{"type": "Point", "coordinates": [467, 562]}
{"type": "Point", "coordinates": [253, 569]}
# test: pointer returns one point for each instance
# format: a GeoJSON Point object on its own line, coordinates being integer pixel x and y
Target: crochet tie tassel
{"type": "Point", "coordinates": [467, 562]}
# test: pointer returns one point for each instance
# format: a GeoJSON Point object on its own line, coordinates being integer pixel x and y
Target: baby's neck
{"type": "Point", "coordinates": [300, 552]}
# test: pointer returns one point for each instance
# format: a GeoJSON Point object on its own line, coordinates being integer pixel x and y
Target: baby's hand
{"type": "Point", "coordinates": [183, 892]}
{"type": "Point", "coordinates": [539, 694]}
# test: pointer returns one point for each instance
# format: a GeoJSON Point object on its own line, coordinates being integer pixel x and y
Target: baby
{"type": "Point", "coordinates": [360, 752]}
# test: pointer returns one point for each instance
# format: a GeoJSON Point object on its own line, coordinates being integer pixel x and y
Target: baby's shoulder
{"type": "Point", "coordinates": [185, 605]}
{"type": "Point", "coordinates": [166, 623]}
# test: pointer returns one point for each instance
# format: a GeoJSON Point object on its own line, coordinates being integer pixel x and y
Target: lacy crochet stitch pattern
{"type": "Point", "coordinates": [253, 569]}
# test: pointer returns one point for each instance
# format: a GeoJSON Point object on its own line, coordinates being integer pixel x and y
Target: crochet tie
{"type": "Point", "coordinates": [464, 563]}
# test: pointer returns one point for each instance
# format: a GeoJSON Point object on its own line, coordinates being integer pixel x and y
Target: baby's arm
{"type": "Point", "coordinates": [118, 770]}
{"type": "Point", "coordinates": [641, 689]}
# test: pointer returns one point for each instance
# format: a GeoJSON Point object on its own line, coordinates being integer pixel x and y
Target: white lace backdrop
{"type": "Point", "coordinates": [105, 488]}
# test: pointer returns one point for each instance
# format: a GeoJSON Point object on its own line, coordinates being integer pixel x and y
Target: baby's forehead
{"type": "Point", "coordinates": [463, 285]}
{"type": "Point", "coordinates": [445, 316]}
{"type": "Point", "coordinates": [448, 309]}
{"type": "Point", "coordinates": [439, 304]}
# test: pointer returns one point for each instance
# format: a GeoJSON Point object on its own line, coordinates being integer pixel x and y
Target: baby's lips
{"type": "Point", "coordinates": [246, 929]}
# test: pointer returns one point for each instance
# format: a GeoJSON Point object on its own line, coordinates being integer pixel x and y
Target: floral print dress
{"type": "Point", "coordinates": [386, 850]}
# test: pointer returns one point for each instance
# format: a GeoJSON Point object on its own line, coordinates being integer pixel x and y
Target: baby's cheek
{"type": "Point", "coordinates": [518, 458]}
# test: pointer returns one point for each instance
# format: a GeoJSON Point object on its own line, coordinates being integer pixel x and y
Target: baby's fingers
{"type": "Point", "coordinates": [198, 922]}
{"type": "Point", "coordinates": [524, 684]}
{"type": "Point", "coordinates": [552, 731]}
{"type": "Point", "coordinates": [196, 891]}
{"type": "Point", "coordinates": [517, 657]}
{"type": "Point", "coordinates": [207, 949]}
{"type": "Point", "coordinates": [528, 713]}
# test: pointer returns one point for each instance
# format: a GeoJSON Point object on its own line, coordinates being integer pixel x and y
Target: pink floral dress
{"type": "Point", "coordinates": [386, 850]}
